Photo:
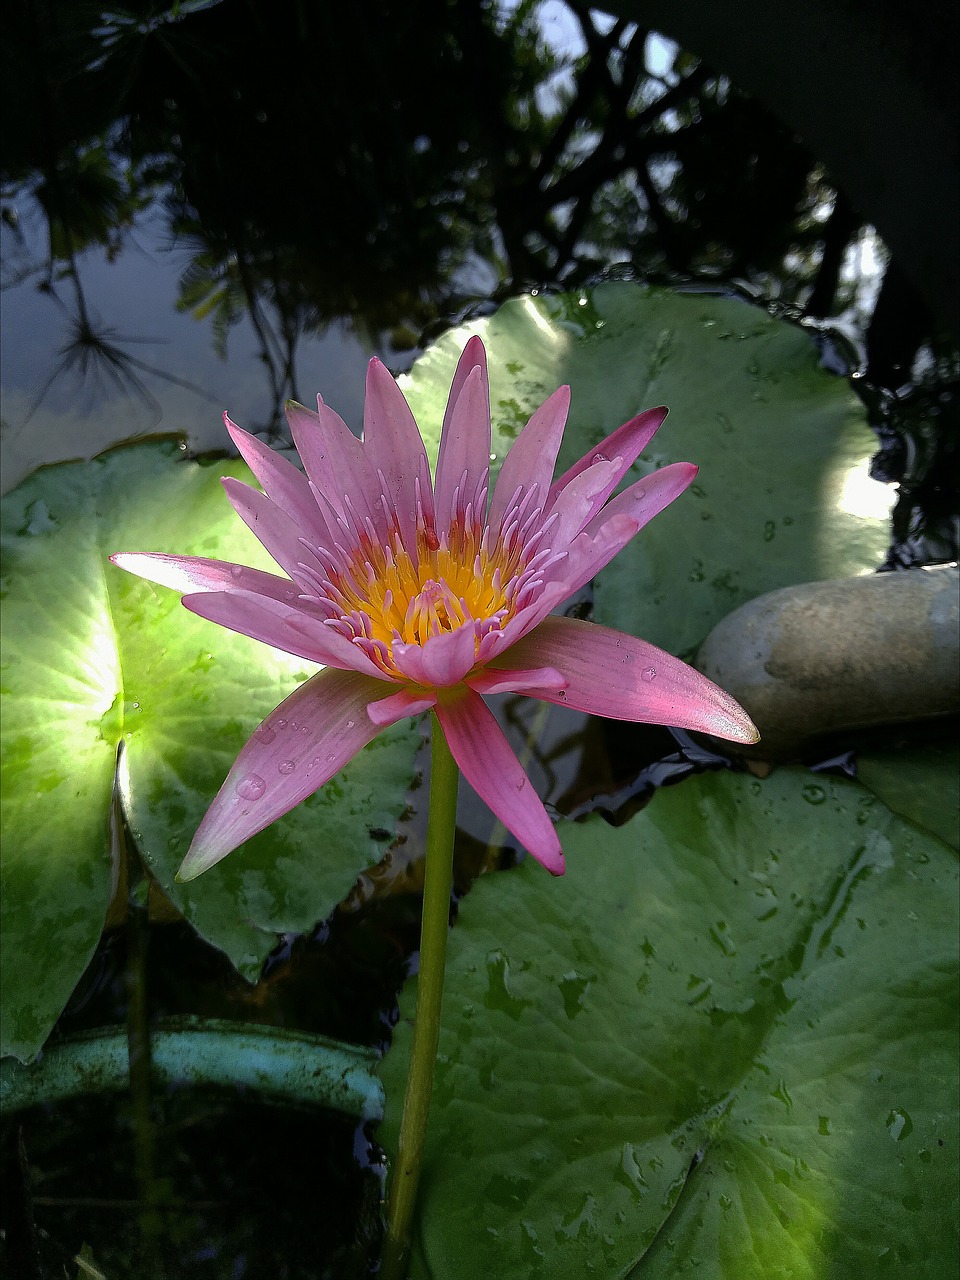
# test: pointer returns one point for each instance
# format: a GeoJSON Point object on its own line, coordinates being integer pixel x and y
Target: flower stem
{"type": "Point", "coordinates": [438, 878]}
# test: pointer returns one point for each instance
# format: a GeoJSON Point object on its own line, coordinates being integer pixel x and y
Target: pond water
{"type": "Point", "coordinates": [216, 232]}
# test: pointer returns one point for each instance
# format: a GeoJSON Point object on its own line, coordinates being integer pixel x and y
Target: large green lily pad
{"type": "Point", "coordinates": [723, 1045]}
{"type": "Point", "coordinates": [921, 782]}
{"type": "Point", "coordinates": [96, 660]}
{"type": "Point", "coordinates": [783, 447]}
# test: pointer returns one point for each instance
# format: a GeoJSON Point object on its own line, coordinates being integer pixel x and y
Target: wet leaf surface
{"type": "Point", "coordinates": [723, 1044]}
{"type": "Point", "coordinates": [783, 447]}
{"type": "Point", "coordinates": [96, 659]}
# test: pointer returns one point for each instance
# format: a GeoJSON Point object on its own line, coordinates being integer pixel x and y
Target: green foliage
{"type": "Point", "coordinates": [723, 1045]}
{"type": "Point", "coordinates": [783, 447]}
{"type": "Point", "coordinates": [96, 660]}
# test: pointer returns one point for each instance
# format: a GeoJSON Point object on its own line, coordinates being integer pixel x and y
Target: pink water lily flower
{"type": "Point", "coordinates": [413, 594]}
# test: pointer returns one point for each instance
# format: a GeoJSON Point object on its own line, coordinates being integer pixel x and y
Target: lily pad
{"type": "Point", "coordinates": [783, 494]}
{"type": "Point", "coordinates": [95, 661]}
{"type": "Point", "coordinates": [920, 782]}
{"type": "Point", "coordinates": [723, 1045]}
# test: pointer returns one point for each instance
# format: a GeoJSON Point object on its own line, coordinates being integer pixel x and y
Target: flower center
{"type": "Point", "coordinates": [399, 598]}
{"type": "Point", "coordinates": [383, 592]}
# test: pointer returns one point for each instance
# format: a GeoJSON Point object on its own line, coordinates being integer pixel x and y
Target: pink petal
{"type": "Point", "coordinates": [282, 482]}
{"type": "Point", "coordinates": [612, 528]}
{"type": "Point", "coordinates": [299, 747]}
{"type": "Point", "coordinates": [463, 465]}
{"type": "Point", "coordinates": [488, 763]}
{"type": "Point", "coordinates": [194, 573]}
{"type": "Point", "coordinates": [626, 443]}
{"type": "Point", "coordinates": [580, 500]}
{"type": "Point", "coordinates": [648, 496]}
{"type": "Point", "coordinates": [278, 532]}
{"type": "Point", "coordinates": [532, 456]}
{"type": "Point", "coordinates": [616, 675]}
{"type": "Point", "coordinates": [276, 624]}
{"type": "Point", "coordinates": [408, 702]}
{"type": "Point", "coordinates": [587, 556]}
{"type": "Point", "coordinates": [335, 462]}
{"type": "Point", "coordinates": [393, 446]}
{"type": "Point", "coordinates": [472, 357]}
{"type": "Point", "coordinates": [444, 660]}
{"type": "Point", "coordinates": [499, 680]}
{"type": "Point", "coordinates": [524, 621]}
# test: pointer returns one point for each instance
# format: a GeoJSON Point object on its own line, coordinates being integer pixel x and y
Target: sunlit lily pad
{"type": "Point", "coordinates": [783, 494]}
{"type": "Point", "coordinates": [724, 1044]}
{"type": "Point", "coordinates": [95, 660]}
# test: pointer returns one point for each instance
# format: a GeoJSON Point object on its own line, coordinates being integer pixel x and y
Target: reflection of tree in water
{"type": "Point", "coordinates": [394, 164]}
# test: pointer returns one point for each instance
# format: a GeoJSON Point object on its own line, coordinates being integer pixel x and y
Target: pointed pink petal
{"type": "Point", "coordinates": [463, 466]}
{"type": "Point", "coordinates": [408, 702]}
{"type": "Point", "coordinates": [393, 445]}
{"type": "Point", "coordinates": [623, 517]}
{"type": "Point", "coordinates": [488, 763]}
{"type": "Point", "coordinates": [616, 675]}
{"type": "Point", "coordinates": [194, 573]}
{"type": "Point", "coordinates": [282, 627]}
{"type": "Point", "coordinates": [626, 443]}
{"type": "Point", "coordinates": [277, 531]}
{"type": "Point", "coordinates": [532, 456]}
{"type": "Point", "coordinates": [580, 500]}
{"type": "Point", "coordinates": [444, 659]}
{"type": "Point", "coordinates": [335, 462]}
{"type": "Point", "coordinates": [647, 497]}
{"type": "Point", "coordinates": [472, 357]}
{"type": "Point", "coordinates": [587, 556]}
{"type": "Point", "coordinates": [282, 482]}
{"type": "Point", "coordinates": [524, 621]}
{"type": "Point", "coordinates": [299, 747]}
{"type": "Point", "coordinates": [499, 680]}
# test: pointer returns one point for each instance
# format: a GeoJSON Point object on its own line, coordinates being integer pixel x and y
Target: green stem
{"type": "Point", "coordinates": [438, 878]}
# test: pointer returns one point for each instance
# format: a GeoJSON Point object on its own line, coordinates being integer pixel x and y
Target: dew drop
{"type": "Point", "coordinates": [280, 722]}
{"type": "Point", "coordinates": [648, 674]}
{"type": "Point", "coordinates": [251, 787]}
{"type": "Point", "coordinates": [350, 724]}
{"type": "Point", "coordinates": [813, 794]}
{"type": "Point", "coordinates": [599, 457]}
{"type": "Point", "coordinates": [237, 570]}
{"type": "Point", "coordinates": [264, 734]}
{"type": "Point", "coordinates": [899, 1124]}
{"type": "Point", "coordinates": [287, 767]}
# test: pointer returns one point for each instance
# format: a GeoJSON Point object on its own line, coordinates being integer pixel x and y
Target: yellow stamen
{"type": "Point", "coordinates": [450, 584]}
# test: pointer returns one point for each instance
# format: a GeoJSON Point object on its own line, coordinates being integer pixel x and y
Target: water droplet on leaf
{"type": "Point", "coordinates": [899, 1124]}
{"type": "Point", "coordinates": [287, 767]}
{"type": "Point", "coordinates": [648, 674]}
{"type": "Point", "coordinates": [813, 794]}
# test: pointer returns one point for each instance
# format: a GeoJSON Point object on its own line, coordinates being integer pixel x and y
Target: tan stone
{"type": "Point", "coordinates": [824, 657]}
